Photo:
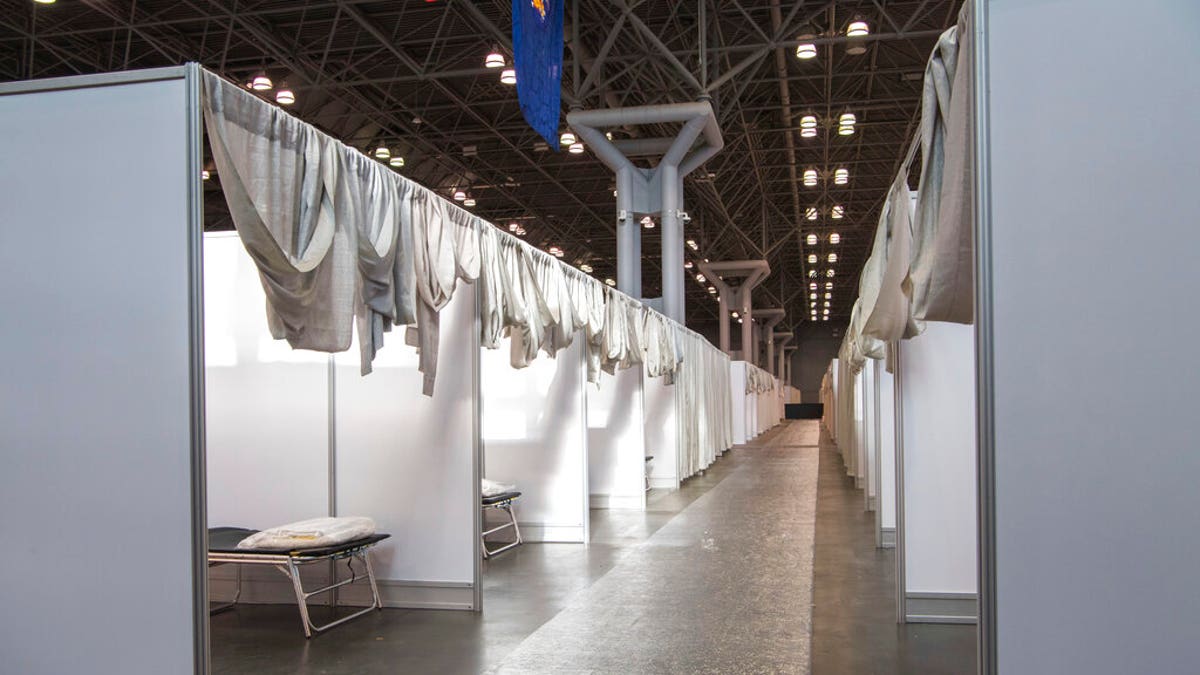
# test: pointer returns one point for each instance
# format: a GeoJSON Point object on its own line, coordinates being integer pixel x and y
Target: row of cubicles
{"type": "Point", "coordinates": [905, 429]}
{"type": "Point", "coordinates": [150, 402]}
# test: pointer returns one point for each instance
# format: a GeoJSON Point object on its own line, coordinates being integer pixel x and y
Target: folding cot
{"type": "Point", "coordinates": [222, 550]}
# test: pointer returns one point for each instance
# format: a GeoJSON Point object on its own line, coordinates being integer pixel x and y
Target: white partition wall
{"type": "Point", "coordinates": [737, 391]}
{"type": "Point", "coordinates": [535, 436]}
{"type": "Point", "coordinates": [101, 392]}
{"type": "Point", "coordinates": [266, 409]}
{"type": "Point", "coordinates": [616, 441]}
{"type": "Point", "coordinates": [1090, 315]}
{"type": "Point", "coordinates": [870, 439]}
{"type": "Point", "coordinates": [885, 404]}
{"type": "Point", "coordinates": [661, 432]}
{"type": "Point", "coordinates": [938, 425]}
{"type": "Point", "coordinates": [408, 461]}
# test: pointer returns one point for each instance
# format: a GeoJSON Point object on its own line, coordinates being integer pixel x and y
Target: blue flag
{"type": "Point", "coordinates": [537, 36]}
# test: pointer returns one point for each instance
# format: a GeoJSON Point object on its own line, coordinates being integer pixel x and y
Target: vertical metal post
{"type": "Point", "coordinates": [672, 242]}
{"type": "Point", "coordinates": [723, 318]}
{"type": "Point", "coordinates": [629, 264]}
{"type": "Point", "coordinates": [747, 322]}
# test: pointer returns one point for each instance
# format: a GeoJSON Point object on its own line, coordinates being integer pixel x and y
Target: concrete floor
{"type": "Point", "coordinates": [541, 594]}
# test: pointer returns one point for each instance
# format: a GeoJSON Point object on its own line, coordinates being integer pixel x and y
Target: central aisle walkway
{"type": "Point", "coordinates": [724, 587]}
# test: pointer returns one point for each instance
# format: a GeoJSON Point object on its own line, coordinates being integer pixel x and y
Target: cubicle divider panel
{"type": "Point", "coordinates": [101, 395]}
{"type": "Point", "coordinates": [886, 450]}
{"type": "Point", "coordinates": [408, 461]}
{"type": "Point", "coordinates": [616, 442]}
{"type": "Point", "coordinates": [535, 436]}
{"type": "Point", "coordinates": [939, 473]}
{"type": "Point", "coordinates": [662, 432]}
{"type": "Point", "coordinates": [737, 390]}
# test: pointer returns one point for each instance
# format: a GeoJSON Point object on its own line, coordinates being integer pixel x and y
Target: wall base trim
{"type": "Point", "coordinates": [632, 502]}
{"type": "Point", "coordinates": [663, 483]}
{"type": "Point", "coordinates": [257, 590]}
{"type": "Point", "coordinates": [887, 537]}
{"type": "Point", "coordinates": [543, 533]}
{"type": "Point", "coordinates": [941, 608]}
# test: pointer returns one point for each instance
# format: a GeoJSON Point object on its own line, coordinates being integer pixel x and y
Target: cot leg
{"type": "Point", "coordinates": [516, 528]}
{"type": "Point", "coordinates": [371, 577]}
{"type": "Point", "coordinates": [301, 600]}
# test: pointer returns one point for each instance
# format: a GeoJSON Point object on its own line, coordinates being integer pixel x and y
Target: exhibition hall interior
{"type": "Point", "coordinates": [599, 336]}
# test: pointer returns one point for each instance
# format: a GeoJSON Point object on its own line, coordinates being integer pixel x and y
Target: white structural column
{"type": "Point", "coordinates": [778, 365]}
{"type": "Point", "coordinates": [654, 190]}
{"type": "Point", "coordinates": [771, 318]}
{"type": "Point", "coordinates": [720, 275]}
{"type": "Point", "coordinates": [629, 237]}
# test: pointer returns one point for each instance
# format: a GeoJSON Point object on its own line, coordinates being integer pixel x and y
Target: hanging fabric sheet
{"type": "Point", "coordinates": [941, 274]}
{"type": "Point", "coordinates": [279, 176]}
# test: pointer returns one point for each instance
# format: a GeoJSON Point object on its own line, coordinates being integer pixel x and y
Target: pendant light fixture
{"type": "Point", "coordinates": [508, 76]}
{"type": "Point", "coordinates": [261, 82]}
{"type": "Point", "coordinates": [382, 152]}
{"type": "Point", "coordinates": [494, 59]}
{"type": "Point", "coordinates": [396, 161]}
{"type": "Point", "coordinates": [285, 95]}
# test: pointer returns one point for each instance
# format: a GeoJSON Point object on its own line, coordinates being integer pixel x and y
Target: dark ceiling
{"type": "Point", "coordinates": [410, 74]}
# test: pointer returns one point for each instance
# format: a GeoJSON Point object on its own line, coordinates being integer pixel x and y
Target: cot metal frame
{"type": "Point", "coordinates": [505, 505]}
{"type": "Point", "coordinates": [289, 564]}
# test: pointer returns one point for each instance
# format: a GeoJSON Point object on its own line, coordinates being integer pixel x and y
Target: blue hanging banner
{"type": "Point", "coordinates": [537, 36]}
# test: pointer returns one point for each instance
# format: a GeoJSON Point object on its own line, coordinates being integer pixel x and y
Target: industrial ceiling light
{"type": "Point", "coordinates": [520, 232]}
{"type": "Point", "coordinates": [687, 264]}
{"type": "Point", "coordinates": [204, 175]}
{"type": "Point", "coordinates": [846, 130]}
{"type": "Point", "coordinates": [806, 50]}
{"type": "Point", "coordinates": [829, 272]}
{"type": "Point", "coordinates": [811, 239]}
{"type": "Point", "coordinates": [469, 201]}
{"type": "Point", "coordinates": [812, 296]}
{"type": "Point", "coordinates": [810, 177]}
{"type": "Point", "coordinates": [555, 251]}
{"type": "Point", "coordinates": [825, 312]}
{"type": "Point", "coordinates": [832, 257]}
{"type": "Point", "coordinates": [575, 148]}
{"type": "Point", "coordinates": [826, 303]}
{"type": "Point", "coordinates": [459, 195]}
{"type": "Point", "coordinates": [824, 318]}
{"type": "Point", "coordinates": [812, 258]}
{"type": "Point", "coordinates": [396, 161]}
{"type": "Point", "coordinates": [828, 285]}
{"type": "Point", "coordinates": [808, 126]}
{"type": "Point", "coordinates": [567, 138]}
{"type": "Point", "coordinates": [608, 135]}
{"type": "Point", "coordinates": [508, 76]}
{"type": "Point", "coordinates": [735, 314]}
{"type": "Point", "coordinates": [829, 296]}
{"type": "Point", "coordinates": [812, 286]}
{"type": "Point", "coordinates": [847, 119]}
{"type": "Point", "coordinates": [712, 290]}
{"type": "Point", "coordinates": [835, 238]}
{"type": "Point", "coordinates": [837, 212]}
{"type": "Point", "coordinates": [692, 245]}
{"type": "Point", "coordinates": [841, 176]}
{"type": "Point", "coordinates": [513, 227]}
{"type": "Point", "coordinates": [701, 278]}
{"type": "Point", "coordinates": [610, 282]}
{"type": "Point", "coordinates": [811, 213]}
{"type": "Point", "coordinates": [648, 222]}
{"type": "Point", "coordinates": [812, 273]}
{"type": "Point", "coordinates": [584, 267]}
{"type": "Point", "coordinates": [261, 82]}
{"type": "Point", "coordinates": [494, 59]}
{"type": "Point", "coordinates": [857, 29]}
{"type": "Point", "coordinates": [285, 96]}
{"type": "Point", "coordinates": [383, 153]}
{"type": "Point", "coordinates": [44, 2]}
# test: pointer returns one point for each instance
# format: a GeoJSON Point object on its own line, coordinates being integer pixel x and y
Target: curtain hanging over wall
{"type": "Point", "coordinates": [943, 261]}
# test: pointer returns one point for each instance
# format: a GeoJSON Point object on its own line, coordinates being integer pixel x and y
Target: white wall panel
{"type": "Point", "coordinates": [1094, 233]}
{"type": "Point", "coordinates": [887, 448]}
{"type": "Point", "coordinates": [938, 377]}
{"type": "Point", "coordinates": [267, 406]}
{"type": "Point", "coordinates": [662, 432]}
{"type": "Point", "coordinates": [737, 389]}
{"type": "Point", "coordinates": [95, 404]}
{"type": "Point", "coordinates": [534, 435]}
{"type": "Point", "coordinates": [405, 459]}
{"type": "Point", "coordinates": [616, 441]}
